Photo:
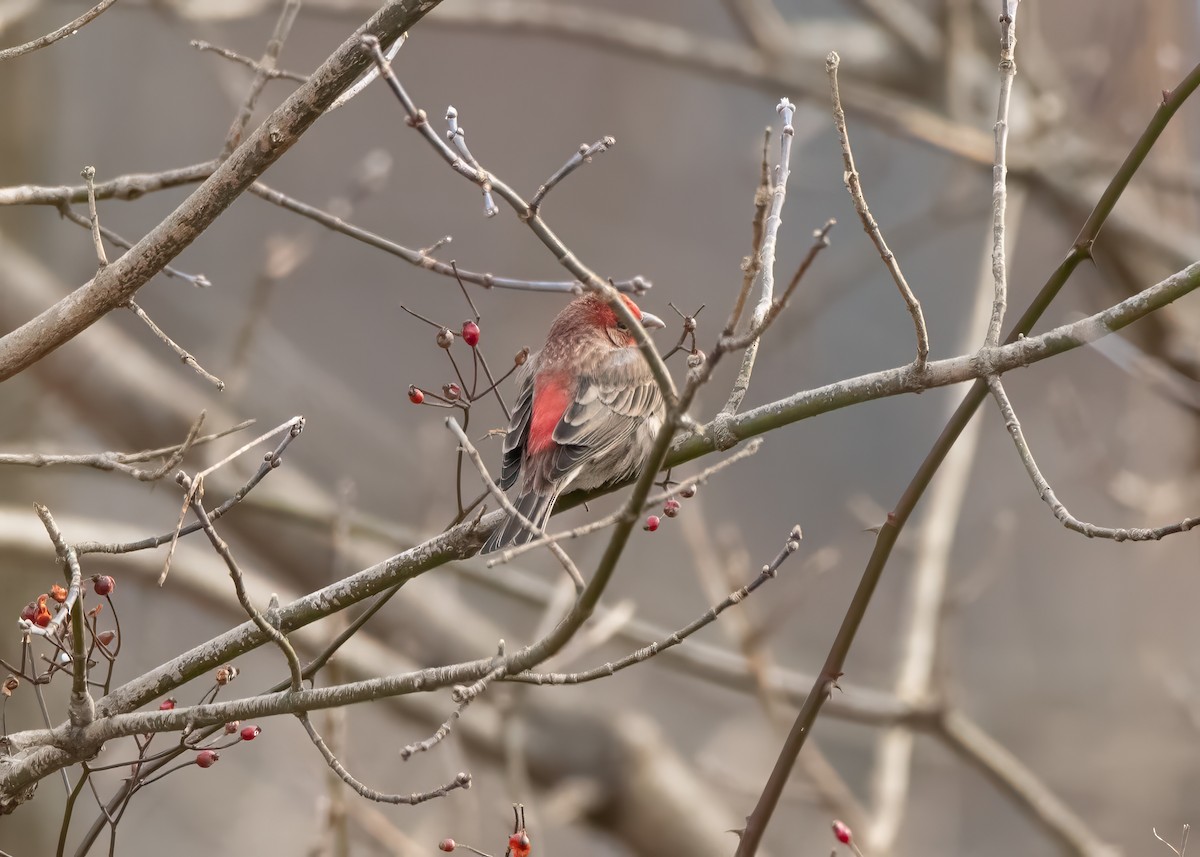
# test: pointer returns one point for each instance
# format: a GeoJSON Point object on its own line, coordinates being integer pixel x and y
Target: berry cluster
{"type": "Point", "coordinates": [670, 508]}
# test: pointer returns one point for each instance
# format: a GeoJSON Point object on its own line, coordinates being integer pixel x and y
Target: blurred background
{"type": "Point", "coordinates": [1076, 657]}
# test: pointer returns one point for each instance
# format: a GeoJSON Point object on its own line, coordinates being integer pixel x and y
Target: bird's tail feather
{"type": "Point", "coordinates": [535, 507]}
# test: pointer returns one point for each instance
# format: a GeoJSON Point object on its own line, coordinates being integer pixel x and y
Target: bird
{"type": "Point", "coordinates": [587, 413]}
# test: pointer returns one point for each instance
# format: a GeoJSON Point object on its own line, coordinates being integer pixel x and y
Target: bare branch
{"type": "Point", "coordinates": [270, 72]}
{"type": "Point", "coordinates": [422, 258]}
{"type": "Point", "coordinates": [460, 781]}
{"type": "Point", "coordinates": [868, 221]}
{"type": "Point", "coordinates": [61, 33]}
{"type": "Point", "coordinates": [239, 586]}
{"type": "Point", "coordinates": [122, 461]}
{"type": "Point", "coordinates": [89, 177]}
{"type": "Point", "coordinates": [769, 572]}
{"type": "Point", "coordinates": [187, 358]}
{"type": "Point", "coordinates": [581, 157]}
{"type": "Point", "coordinates": [1123, 534]}
{"type": "Point", "coordinates": [1008, 70]}
{"type": "Point", "coordinates": [765, 268]}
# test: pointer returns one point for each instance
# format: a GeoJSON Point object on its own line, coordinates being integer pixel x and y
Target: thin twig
{"type": "Point", "coordinates": [422, 259]}
{"type": "Point", "coordinates": [1122, 534]}
{"type": "Point", "coordinates": [764, 277]}
{"type": "Point", "coordinates": [1008, 70]}
{"type": "Point", "coordinates": [200, 281]}
{"type": "Point", "coordinates": [61, 33]}
{"type": "Point", "coordinates": [122, 461]}
{"type": "Point", "coordinates": [187, 358]}
{"type": "Point", "coordinates": [762, 201]}
{"type": "Point", "coordinates": [581, 157]}
{"type": "Point", "coordinates": [89, 178]}
{"type": "Point", "coordinates": [464, 695]}
{"type": "Point", "coordinates": [271, 460]}
{"type": "Point", "coordinates": [271, 73]}
{"type": "Point", "coordinates": [854, 185]}
{"type": "Point", "coordinates": [768, 572]}
{"type": "Point", "coordinates": [239, 586]}
{"type": "Point", "coordinates": [820, 242]}
{"type": "Point", "coordinates": [460, 781]}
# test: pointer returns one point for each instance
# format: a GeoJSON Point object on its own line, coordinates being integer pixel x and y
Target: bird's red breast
{"type": "Point", "coordinates": [551, 395]}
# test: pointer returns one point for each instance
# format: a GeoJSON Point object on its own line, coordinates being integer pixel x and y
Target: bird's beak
{"type": "Point", "coordinates": [649, 321]}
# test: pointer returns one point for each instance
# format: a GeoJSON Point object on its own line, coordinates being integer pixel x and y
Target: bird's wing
{"type": "Point", "coordinates": [518, 428]}
{"type": "Point", "coordinates": [608, 407]}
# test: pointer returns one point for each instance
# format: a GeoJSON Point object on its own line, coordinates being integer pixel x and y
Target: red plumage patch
{"type": "Point", "coordinates": [603, 316]}
{"type": "Point", "coordinates": [551, 395]}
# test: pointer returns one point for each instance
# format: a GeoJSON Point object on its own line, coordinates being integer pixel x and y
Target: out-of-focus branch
{"type": "Point", "coordinates": [61, 33]}
{"type": "Point", "coordinates": [1006, 772]}
{"type": "Point", "coordinates": [122, 462]}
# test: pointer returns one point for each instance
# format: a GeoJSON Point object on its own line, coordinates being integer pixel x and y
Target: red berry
{"type": "Point", "coordinates": [687, 492]}
{"type": "Point", "coordinates": [207, 758]}
{"type": "Point", "coordinates": [447, 845]}
{"type": "Point", "coordinates": [415, 396]}
{"type": "Point", "coordinates": [58, 593]}
{"type": "Point", "coordinates": [651, 524]}
{"type": "Point", "coordinates": [453, 392]}
{"type": "Point", "coordinates": [518, 843]}
{"type": "Point", "coordinates": [29, 612]}
{"type": "Point", "coordinates": [842, 832]}
{"type": "Point", "coordinates": [232, 726]}
{"type": "Point", "coordinates": [167, 704]}
{"type": "Point", "coordinates": [105, 638]}
{"type": "Point", "coordinates": [671, 508]}
{"type": "Point", "coordinates": [470, 333]}
{"type": "Point", "coordinates": [103, 584]}
{"type": "Point", "coordinates": [41, 615]}
{"type": "Point", "coordinates": [249, 733]}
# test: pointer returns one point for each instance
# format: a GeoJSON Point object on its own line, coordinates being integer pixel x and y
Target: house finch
{"type": "Point", "coordinates": [587, 414]}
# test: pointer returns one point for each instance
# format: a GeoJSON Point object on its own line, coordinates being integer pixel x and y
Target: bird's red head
{"type": "Point", "coordinates": [591, 313]}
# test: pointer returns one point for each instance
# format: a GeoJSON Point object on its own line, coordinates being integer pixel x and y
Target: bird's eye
{"type": "Point", "coordinates": [621, 325]}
